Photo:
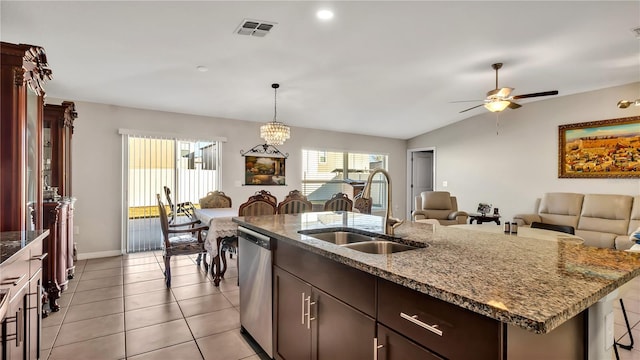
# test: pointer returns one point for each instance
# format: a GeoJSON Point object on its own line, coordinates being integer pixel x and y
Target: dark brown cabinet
{"type": "Point", "coordinates": [312, 324]}
{"type": "Point", "coordinates": [438, 325]}
{"type": "Point", "coordinates": [325, 311]}
{"type": "Point", "coordinates": [24, 70]}
{"type": "Point", "coordinates": [392, 346]}
{"type": "Point", "coordinates": [58, 203]}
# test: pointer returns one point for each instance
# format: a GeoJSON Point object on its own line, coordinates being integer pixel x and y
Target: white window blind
{"type": "Point", "coordinates": [189, 168]}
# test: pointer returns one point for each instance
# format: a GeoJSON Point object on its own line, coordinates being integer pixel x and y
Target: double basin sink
{"type": "Point", "coordinates": [371, 243]}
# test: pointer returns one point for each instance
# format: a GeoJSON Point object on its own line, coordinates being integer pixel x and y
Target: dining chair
{"type": "Point", "coordinates": [185, 208]}
{"type": "Point", "coordinates": [361, 204]}
{"type": "Point", "coordinates": [215, 199]}
{"type": "Point", "coordinates": [338, 202]}
{"type": "Point", "coordinates": [267, 194]}
{"type": "Point", "coordinates": [561, 228]}
{"type": "Point", "coordinates": [257, 205]}
{"type": "Point", "coordinates": [186, 241]}
{"type": "Point", "coordinates": [294, 203]}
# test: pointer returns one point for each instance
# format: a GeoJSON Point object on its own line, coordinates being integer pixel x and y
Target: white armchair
{"type": "Point", "coordinates": [439, 205]}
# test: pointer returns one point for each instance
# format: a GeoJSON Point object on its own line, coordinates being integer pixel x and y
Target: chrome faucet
{"type": "Point", "coordinates": [390, 223]}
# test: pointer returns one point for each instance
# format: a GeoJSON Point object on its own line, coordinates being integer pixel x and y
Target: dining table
{"type": "Point", "coordinates": [222, 230]}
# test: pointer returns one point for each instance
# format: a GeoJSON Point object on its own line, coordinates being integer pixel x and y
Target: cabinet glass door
{"type": "Point", "coordinates": [32, 176]}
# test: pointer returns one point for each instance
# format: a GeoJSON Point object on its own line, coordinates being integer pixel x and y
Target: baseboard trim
{"type": "Point", "coordinates": [99, 254]}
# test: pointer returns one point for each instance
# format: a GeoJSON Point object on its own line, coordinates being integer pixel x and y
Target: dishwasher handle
{"type": "Point", "coordinates": [254, 237]}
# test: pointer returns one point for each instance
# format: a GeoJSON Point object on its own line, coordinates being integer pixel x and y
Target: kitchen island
{"type": "Point", "coordinates": [529, 286]}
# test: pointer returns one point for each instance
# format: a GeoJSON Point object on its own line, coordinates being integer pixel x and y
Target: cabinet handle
{"type": "Point", "coordinates": [18, 319]}
{"type": "Point", "coordinates": [376, 347]}
{"type": "Point", "coordinates": [308, 313]}
{"type": "Point", "coordinates": [414, 319]}
{"type": "Point", "coordinates": [39, 257]}
{"type": "Point", "coordinates": [302, 310]}
{"type": "Point", "coordinates": [13, 280]}
{"type": "Point", "coordinates": [19, 326]}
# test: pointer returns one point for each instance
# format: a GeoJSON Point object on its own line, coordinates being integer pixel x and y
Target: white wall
{"type": "Point", "coordinates": [520, 163]}
{"type": "Point", "coordinates": [97, 162]}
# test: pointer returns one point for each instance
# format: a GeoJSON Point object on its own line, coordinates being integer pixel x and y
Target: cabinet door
{"type": "Point", "coordinates": [34, 316]}
{"type": "Point", "coordinates": [292, 335]}
{"type": "Point", "coordinates": [14, 328]}
{"type": "Point", "coordinates": [393, 346]}
{"type": "Point", "coordinates": [340, 331]}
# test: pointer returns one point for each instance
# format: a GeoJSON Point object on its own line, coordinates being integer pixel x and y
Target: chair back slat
{"type": "Point", "coordinates": [215, 199]}
{"type": "Point", "coordinates": [164, 222]}
{"type": "Point", "coordinates": [257, 205]}
{"type": "Point", "coordinates": [338, 202]}
{"type": "Point", "coordinates": [294, 203]}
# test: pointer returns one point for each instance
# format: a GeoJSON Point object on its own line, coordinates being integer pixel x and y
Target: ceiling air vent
{"type": "Point", "coordinates": [254, 27]}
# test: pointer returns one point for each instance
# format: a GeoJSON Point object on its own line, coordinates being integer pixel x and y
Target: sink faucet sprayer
{"type": "Point", "coordinates": [390, 222]}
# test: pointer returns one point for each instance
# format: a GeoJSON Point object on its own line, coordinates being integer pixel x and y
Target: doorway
{"type": "Point", "coordinates": [422, 175]}
{"type": "Point", "coordinates": [187, 167]}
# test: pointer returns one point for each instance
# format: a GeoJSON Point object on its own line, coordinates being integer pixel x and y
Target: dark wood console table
{"type": "Point", "coordinates": [479, 218]}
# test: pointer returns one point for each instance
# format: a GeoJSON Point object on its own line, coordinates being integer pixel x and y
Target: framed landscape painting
{"type": "Point", "coordinates": [264, 170]}
{"type": "Point", "coordinates": [600, 149]}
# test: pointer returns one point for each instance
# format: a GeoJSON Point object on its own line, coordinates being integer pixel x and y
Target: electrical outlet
{"type": "Point", "coordinates": [445, 183]}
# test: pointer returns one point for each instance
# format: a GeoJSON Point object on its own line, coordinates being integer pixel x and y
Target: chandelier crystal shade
{"type": "Point", "coordinates": [275, 132]}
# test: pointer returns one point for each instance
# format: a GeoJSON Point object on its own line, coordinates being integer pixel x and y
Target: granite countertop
{"type": "Point", "coordinates": [11, 242]}
{"type": "Point", "coordinates": [533, 284]}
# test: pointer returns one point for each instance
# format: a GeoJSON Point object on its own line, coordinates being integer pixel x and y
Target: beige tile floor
{"type": "Point", "coordinates": [119, 308]}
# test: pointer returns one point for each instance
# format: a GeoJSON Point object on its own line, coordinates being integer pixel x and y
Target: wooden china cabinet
{"type": "Point", "coordinates": [23, 75]}
{"type": "Point", "coordinates": [58, 200]}
{"type": "Point", "coordinates": [35, 161]}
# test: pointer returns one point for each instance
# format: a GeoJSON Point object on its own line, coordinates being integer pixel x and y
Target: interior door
{"type": "Point", "coordinates": [421, 173]}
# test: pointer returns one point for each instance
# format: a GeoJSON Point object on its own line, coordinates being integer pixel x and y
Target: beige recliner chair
{"type": "Point", "coordinates": [439, 205]}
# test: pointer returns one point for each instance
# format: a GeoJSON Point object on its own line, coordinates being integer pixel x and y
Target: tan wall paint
{"type": "Point", "coordinates": [516, 166]}
{"type": "Point", "coordinates": [97, 159]}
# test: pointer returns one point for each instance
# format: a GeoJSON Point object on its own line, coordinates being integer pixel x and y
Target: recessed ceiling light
{"type": "Point", "coordinates": [202, 68]}
{"type": "Point", "coordinates": [325, 14]}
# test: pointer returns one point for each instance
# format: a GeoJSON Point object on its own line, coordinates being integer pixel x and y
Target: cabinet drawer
{"type": "Point", "coordinates": [36, 257]}
{"type": "Point", "coordinates": [14, 273]}
{"type": "Point", "coordinates": [446, 329]}
{"type": "Point", "coordinates": [393, 346]}
{"type": "Point", "coordinates": [349, 285]}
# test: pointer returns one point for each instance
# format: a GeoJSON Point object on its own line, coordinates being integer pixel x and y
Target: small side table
{"type": "Point", "coordinates": [479, 218]}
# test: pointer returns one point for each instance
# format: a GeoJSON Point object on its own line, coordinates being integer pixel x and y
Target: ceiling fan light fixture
{"type": "Point", "coordinates": [275, 132]}
{"type": "Point", "coordinates": [496, 105]}
{"type": "Point", "coordinates": [623, 104]}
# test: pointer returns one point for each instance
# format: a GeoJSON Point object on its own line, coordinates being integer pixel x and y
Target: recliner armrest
{"type": "Point", "coordinates": [454, 215]}
{"type": "Point", "coordinates": [419, 214]}
{"type": "Point", "coordinates": [526, 219]}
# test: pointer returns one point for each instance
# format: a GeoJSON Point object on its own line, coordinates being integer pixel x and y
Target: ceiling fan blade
{"type": "Point", "coordinates": [544, 93]}
{"type": "Point", "coordinates": [471, 108]}
{"type": "Point", "coordinates": [461, 101]}
{"type": "Point", "coordinates": [513, 105]}
{"type": "Point", "coordinates": [500, 93]}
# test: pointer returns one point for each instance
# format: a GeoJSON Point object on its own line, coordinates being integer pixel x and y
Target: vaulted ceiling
{"type": "Point", "coordinates": [385, 68]}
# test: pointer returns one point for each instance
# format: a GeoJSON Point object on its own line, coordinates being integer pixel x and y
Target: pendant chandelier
{"type": "Point", "coordinates": [274, 132]}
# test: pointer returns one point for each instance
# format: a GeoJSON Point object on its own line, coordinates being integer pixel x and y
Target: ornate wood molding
{"type": "Point", "coordinates": [36, 67]}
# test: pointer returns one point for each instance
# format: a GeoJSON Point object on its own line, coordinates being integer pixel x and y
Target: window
{"type": "Point", "coordinates": [187, 167]}
{"type": "Point", "coordinates": [324, 174]}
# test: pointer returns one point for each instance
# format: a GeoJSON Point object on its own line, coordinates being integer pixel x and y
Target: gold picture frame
{"type": "Point", "coordinates": [600, 149]}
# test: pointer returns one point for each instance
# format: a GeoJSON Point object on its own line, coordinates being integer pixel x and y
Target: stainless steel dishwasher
{"type": "Point", "coordinates": [256, 300]}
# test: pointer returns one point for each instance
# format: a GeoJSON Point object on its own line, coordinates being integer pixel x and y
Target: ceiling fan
{"type": "Point", "coordinates": [499, 99]}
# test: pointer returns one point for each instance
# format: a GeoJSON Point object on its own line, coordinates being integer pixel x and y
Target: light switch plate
{"type": "Point", "coordinates": [445, 183]}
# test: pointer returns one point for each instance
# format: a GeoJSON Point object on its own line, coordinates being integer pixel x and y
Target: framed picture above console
{"type": "Point", "coordinates": [600, 149]}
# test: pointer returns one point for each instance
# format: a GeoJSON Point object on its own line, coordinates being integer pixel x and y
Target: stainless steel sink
{"type": "Point", "coordinates": [379, 247]}
{"type": "Point", "coordinates": [341, 237]}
